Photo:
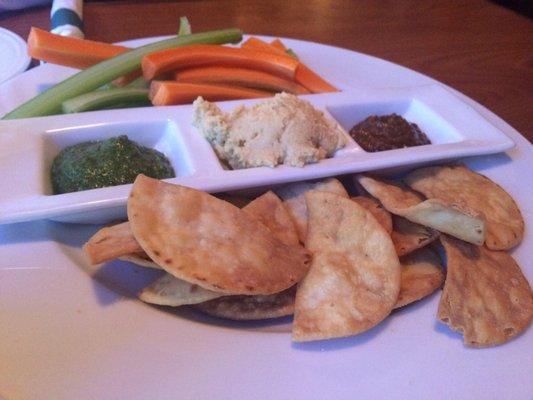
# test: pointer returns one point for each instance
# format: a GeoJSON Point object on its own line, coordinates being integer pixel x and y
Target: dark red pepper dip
{"type": "Point", "coordinates": [387, 132]}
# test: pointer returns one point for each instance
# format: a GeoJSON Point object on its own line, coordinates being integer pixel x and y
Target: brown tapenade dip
{"type": "Point", "coordinates": [387, 132]}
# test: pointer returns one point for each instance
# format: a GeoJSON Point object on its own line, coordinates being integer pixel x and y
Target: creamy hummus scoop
{"type": "Point", "coordinates": [282, 130]}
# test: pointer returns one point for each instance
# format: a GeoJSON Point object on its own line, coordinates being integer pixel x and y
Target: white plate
{"type": "Point", "coordinates": [65, 335]}
{"type": "Point", "coordinates": [14, 58]}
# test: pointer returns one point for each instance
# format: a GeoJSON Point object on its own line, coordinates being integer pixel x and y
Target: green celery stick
{"type": "Point", "coordinates": [139, 83]}
{"type": "Point", "coordinates": [185, 27]}
{"type": "Point", "coordinates": [50, 101]}
{"type": "Point", "coordinates": [103, 99]}
{"type": "Point", "coordinates": [291, 53]}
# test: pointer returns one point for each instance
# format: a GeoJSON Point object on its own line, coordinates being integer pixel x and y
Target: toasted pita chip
{"type": "Point", "coordinates": [209, 242]}
{"type": "Point", "coordinates": [170, 291]}
{"type": "Point", "coordinates": [165, 291]}
{"type": "Point", "coordinates": [445, 217]}
{"type": "Point", "coordinates": [117, 241]}
{"type": "Point", "coordinates": [293, 196]}
{"type": "Point", "coordinates": [408, 236]}
{"type": "Point", "coordinates": [242, 308]}
{"type": "Point", "coordinates": [110, 243]}
{"type": "Point", "coordinates": [267, 208]}
{"type": "Point", "coordinates": [270, 211]}
{"type": "Point", "coordinates": [486, 297]}
{"type": "Point", "coordinates": [354, 278]}
{"type": "Point", "coordinates": [140, 259]}
{"type": "Point", "coordinates": [456, 184]}
{"type": "Point", "coordinates": [377, 210]}
{"type": "Point", "coordinates": [421, 275]}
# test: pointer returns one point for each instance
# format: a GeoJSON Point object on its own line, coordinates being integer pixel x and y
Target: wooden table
{"type": "Point", "coordinates": [477, 47]}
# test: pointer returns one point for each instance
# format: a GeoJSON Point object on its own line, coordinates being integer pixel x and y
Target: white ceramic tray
{"type": "Point", "coordinates": [28, 147]}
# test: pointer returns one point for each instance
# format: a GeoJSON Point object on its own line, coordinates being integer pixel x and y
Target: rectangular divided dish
{"type": "Point", "coordinates": [28, 147]}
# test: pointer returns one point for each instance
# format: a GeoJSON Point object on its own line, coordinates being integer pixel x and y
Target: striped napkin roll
{"type": "Point", "coordinates": [67, 18]}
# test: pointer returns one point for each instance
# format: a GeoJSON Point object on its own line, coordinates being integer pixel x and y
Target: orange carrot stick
{"type": "Point", "coordinates": [69, 51]}
{"type": "Point", "coordinates": [239, 77]}
{"type": "Point", "coordinates": [278, 44]}
{"type": "Point", "coordinates": [164, 93]}
{"type": "Point", "coordinates": [258, 44]}
{"type": "Point", "coordinates": [74, 52]}
{"type": "Point", "coordinates": [312, 81]}
{"type": "Point", "coordinates": [160, 62]}
{"type": "Point", "coordinates": [304, 75]}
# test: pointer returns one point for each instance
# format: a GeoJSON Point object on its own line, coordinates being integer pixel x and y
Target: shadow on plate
{"type": "Point", "coordinates": [126, 280]}
{"type": "Point", "coordinates": [25, 232]}
{"type": "Point", "coordinates": [122, 281]}
{"type": "Point", "coordinates": [442, 328]}
{"type": "Point", "coordinates": [482, 164]}
{"type": "Point", "coordinates": [43, 87]}
{"type": "Point", "coordinates": [272, 325]}
{"type": "Point", "coordinates": [73, 235]}
{"type": "Point", "coordinates": [121, 277]}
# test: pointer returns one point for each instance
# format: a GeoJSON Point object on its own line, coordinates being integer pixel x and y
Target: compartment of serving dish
{"type": "Point", "coordinates": [163, 136]}
{"type": "Point", "coordinates": [28, 146]}
{"type": "Point", "coordinates": [436, 128]}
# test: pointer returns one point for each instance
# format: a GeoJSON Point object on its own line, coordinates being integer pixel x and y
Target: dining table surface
{"type": "Point", "coordinates": [478, 47]}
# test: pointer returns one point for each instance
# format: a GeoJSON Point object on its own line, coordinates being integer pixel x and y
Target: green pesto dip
{"type": "Point", "coordinates": [111, 162]}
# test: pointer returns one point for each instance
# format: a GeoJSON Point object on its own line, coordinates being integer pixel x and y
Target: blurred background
{"type": "Point", "coordinates": [482, 48]}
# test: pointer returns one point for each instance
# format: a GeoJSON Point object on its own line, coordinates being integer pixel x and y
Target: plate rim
{"type": "Point", "coordinates": [22, 62]}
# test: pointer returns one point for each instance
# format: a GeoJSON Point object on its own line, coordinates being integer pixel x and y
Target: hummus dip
{"type": "Point", "coordinates": [281, 130]}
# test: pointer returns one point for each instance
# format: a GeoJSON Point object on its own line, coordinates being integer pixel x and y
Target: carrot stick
{"type": "Point", "coordinates": [239, 77]}
{"type": "Point", "coordinates": [164, 93]}
{"type": "Point", "coordinates": [304, 75]}
{"type": "Point", "coordinates": [278, 44]}
{"type": "Point", "coordinates": [124, 80]}
{"type": "Point", "coordinates": [69, 51]}
{"type": "Point", "coordinates": [74, 52]}
{"type": "Point", "coordinates": [258, 44]}
{"type": "Point", "coordinates": [160, 62]}
{"type": "Point", "coordinates": [312, 81]}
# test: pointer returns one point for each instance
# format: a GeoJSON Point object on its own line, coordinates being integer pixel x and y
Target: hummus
{"type": "Point", "coordinates": [281, 130]}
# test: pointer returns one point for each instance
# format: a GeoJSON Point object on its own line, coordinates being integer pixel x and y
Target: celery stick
{"type": "Point", "coordinates": [291, 53]}
{"type": "Point", "coordinates": [139, 83]}
{"type": "Point", "coordinates": [103, 99]}
{"type": "Point", "coordinates": [49, 102]}
{"type": "Point", "coordinates": [185, 27]}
